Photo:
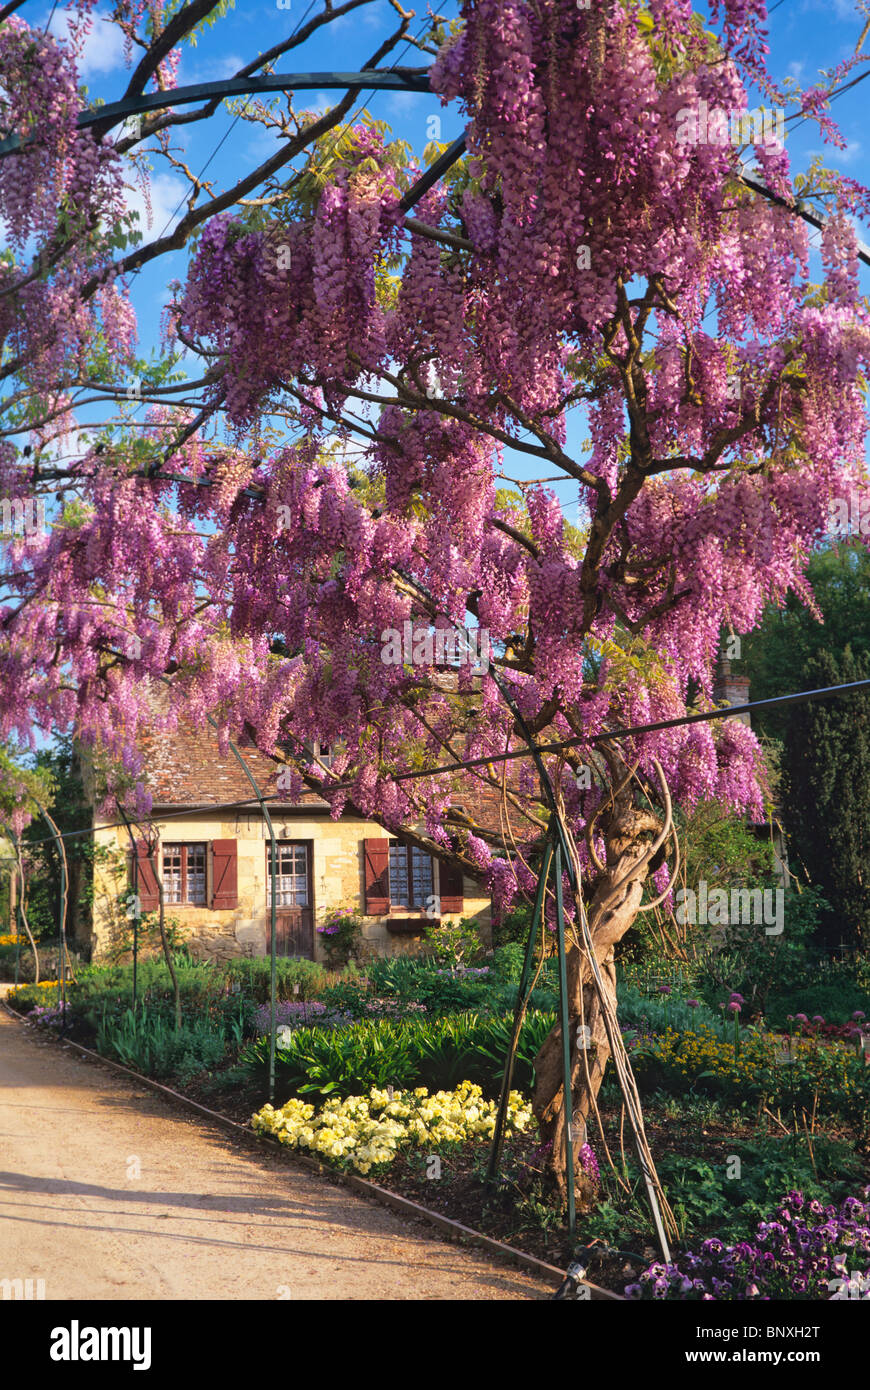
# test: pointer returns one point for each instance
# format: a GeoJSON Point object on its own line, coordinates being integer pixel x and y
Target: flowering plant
{"type": "Point", "coordinates": [807, 1252]}
{"type": "Point", "coordinates": [341, 934]}
{"type": "Point", "coordinates": [50, 1015]}
{"type": "Point", "coordinates": [363, 1132]}
{"type": "Point", "coordinates": [299, 1013]}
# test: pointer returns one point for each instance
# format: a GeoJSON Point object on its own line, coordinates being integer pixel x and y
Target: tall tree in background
{"type": "Point", "coordinates": [835, 613]}
{"type": "Point", "coordinates": [826, 795]}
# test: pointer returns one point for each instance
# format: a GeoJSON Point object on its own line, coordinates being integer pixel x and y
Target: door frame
{"type": "Point", "coordinates": [309, 873]}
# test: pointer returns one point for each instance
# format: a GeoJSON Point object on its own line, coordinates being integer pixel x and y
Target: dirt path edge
{"type": "Point", "coordinates": [454, 1230]}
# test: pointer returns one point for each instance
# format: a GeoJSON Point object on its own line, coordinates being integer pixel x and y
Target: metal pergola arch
{"type": "Point", "coordinates": [399, 79]}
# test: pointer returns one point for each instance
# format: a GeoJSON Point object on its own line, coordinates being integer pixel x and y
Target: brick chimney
{"type": "Point", "coordinates": [729, 688]}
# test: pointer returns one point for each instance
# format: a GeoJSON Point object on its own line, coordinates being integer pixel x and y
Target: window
{"type": "Point", "coordinates": [184, 871]}
{"type": "Point", "coordinates": [292, 876]}
{"type": "Point", "coordinates": [410, 876]}
{"type": "Point", "coordinates": [325, 752]}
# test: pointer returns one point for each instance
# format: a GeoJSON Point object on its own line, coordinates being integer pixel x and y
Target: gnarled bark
{"type": "Point", "coordinates": [611, 912]}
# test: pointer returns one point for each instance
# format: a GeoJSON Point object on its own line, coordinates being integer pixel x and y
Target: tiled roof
{"type": "Point", "coordinates": [187, 769]}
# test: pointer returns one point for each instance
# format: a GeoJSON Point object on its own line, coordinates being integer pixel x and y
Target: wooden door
{"type": "Point", "coordinates": [294, 916]}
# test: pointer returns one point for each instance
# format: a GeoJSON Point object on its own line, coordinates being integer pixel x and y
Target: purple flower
{"type": "Point", "coordinates": [734, 1007]}
{"type": "Point", "coordinates": [692, 1003]}
{"type": "Point", "coordinates": [858, 1014]}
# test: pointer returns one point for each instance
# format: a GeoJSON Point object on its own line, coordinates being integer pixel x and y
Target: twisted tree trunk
{"type": "Point", "coordinates": [610, 914]}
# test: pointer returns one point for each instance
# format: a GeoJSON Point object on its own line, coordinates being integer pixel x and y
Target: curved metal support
{"type": "Point", "coordinates": [137, 911]}
{"type": "Point", "coordinates": [114, 112]}
{"type": "Point", "coordinates": [273, 874]}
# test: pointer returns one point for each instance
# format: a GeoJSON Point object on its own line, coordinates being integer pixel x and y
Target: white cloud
{"type": "Point", "coordinates": [103, 49]}
{"type": "Point", "coordinates": [166, 193]}
{"type": "Point", "coordinates": [850, 153]}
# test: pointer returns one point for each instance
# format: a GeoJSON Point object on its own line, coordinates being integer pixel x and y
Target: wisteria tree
{"type": "Point", "coordinates": [610, 289]}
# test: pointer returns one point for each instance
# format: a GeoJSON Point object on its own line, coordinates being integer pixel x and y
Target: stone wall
{"type": "Point", "coordinates": [337, 880]}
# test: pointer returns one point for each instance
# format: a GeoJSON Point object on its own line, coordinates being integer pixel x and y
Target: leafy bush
{"type": "Point", "coordinates": [506, 962]}
{"type": "Point", "coordinates": [254, 975]}
{"type": "Point", "coordinates": [835, 1002]}
{"type": "Point", "coordinates": [513, 926]}
{"type": "Point", "coordinates": [440, 989]}
{"type": "Point", "coordinates": [654, 1013]}
{"type": "Point", "coordinates": [438, 1053]}
{"type": "Point", "coordinates": [746, 959]}
{"type": "Point", "coordinates": [832, 1075]}
{"type": "Point", "coordinates": [151, 1045]}
{"type": "Point", "coordinates": [454, 943]}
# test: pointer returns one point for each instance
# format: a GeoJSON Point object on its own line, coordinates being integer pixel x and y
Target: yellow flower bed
{"type": "Point", "coordinates": [20, 989]}
{"type": "Point", "coordinates": [8, 938]}
{"type": "Point", "coordinates": [367, 1131]}
{"type": "Point", "coordinates": [689, 1056]}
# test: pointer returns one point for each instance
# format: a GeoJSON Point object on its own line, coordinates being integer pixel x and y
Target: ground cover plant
{"type": "Point", "coordinates": [366, 1131]}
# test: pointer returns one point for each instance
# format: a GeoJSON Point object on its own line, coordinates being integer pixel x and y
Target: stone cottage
{"type": "Point", "coordinates": [209, 844]}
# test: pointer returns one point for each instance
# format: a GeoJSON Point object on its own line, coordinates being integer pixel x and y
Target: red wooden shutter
{"type": "Point", "coordinates": [148, 891]}
{"type": "Point", "coordinates": [450, 880]}
{"type": "Point", "coordinates": [224, 877]}
{"type": "Point", "coordinates": [377, 877]}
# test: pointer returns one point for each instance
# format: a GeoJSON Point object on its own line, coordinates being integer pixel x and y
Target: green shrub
{"type": "Point", "coordinates": [437, 987]}
{"type": "Point", "coordinates": [656, 1012]}
{"type": "Point", "coordinates": [434, 1053]}
{"type": "Point", "coordinates": [835, 1002]}
{"type": "Point", "coordinates": [151, 1045]}
{"type": "Point", "coordinates": [513, 927]}
{"type": "Point", "coordinates": [254, 975]}
{"type": "Point", "coordinates": [506, 963]}
{"type": "Point", "coordinates": [453, 944]}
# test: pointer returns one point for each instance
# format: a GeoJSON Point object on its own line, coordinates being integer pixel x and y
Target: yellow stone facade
{"type": "Point", "coordinates": [337, 881]}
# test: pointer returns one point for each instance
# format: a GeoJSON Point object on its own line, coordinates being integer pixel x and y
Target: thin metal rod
{"type": "Point", "coordinates": [826, 692]}
{"type": "Point", "coordinates": [568, 1094]}
{"type": "Point", "coordinates": [433, 174]}
{"type": "Point", "coordinates": [19, 894]}
{"type": "Point", "coordinates": [613, 735]}
{"type": "Point", "coordinates": [114, 112]}
{"type": "Point", "coordinates": [136, 909]}
{"type": "Point", "coordinates": [519, 1014]}
{"type": "Point", "coordinates": [273, 881]}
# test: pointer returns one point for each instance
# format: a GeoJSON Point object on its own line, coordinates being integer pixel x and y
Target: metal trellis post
{"type": "Point", "coordinates": [566, 1040]}
{"type": "Point", "coordinates": [273, 883]}
{"type": "Point", "coordinates": [519, 1014]}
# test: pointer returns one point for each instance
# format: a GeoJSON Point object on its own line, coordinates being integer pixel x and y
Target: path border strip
{"type": "Point", "coordinates": [551, 1274]}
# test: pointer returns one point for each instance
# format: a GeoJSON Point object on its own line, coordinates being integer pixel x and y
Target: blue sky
{"type": "Point", "coordinates": [806, 36]}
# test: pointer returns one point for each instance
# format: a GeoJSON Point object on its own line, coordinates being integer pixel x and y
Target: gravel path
{"type": "Point", "coordinates": [108, 1191]}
